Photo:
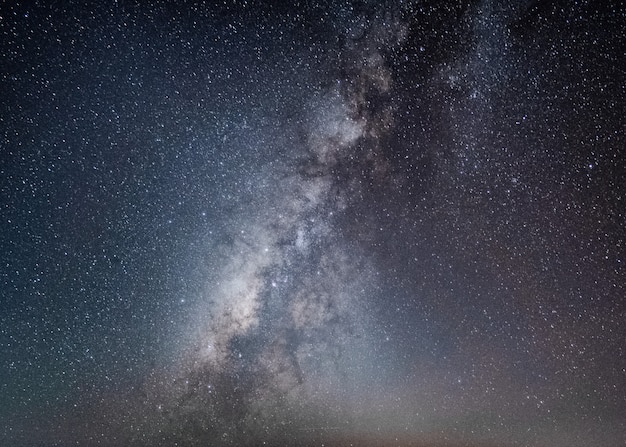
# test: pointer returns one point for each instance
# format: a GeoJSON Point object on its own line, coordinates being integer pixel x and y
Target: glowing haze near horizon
{"type": "Point", "coordinates": [328, 223]}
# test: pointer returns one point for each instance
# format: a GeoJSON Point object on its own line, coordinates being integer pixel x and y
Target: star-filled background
{"type": "Point", "coordinates": [312, 223]}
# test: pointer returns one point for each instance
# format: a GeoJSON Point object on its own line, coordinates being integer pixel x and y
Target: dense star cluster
{"type": "Point", "coordinates": [339, 223]}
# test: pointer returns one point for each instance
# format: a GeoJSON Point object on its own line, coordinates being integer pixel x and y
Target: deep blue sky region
{"type": "Point", "coordinates": [339, 223]}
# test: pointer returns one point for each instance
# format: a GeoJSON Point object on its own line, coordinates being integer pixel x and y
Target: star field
{"type": "Point", "coordinates": [320, 223]}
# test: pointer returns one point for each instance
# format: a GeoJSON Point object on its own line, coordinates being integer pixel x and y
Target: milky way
{"type": "Point", "coordinates": [336, 223]}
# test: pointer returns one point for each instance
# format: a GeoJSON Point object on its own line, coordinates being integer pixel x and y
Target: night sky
{"type": "Point", "coordinates": [313, 223]}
